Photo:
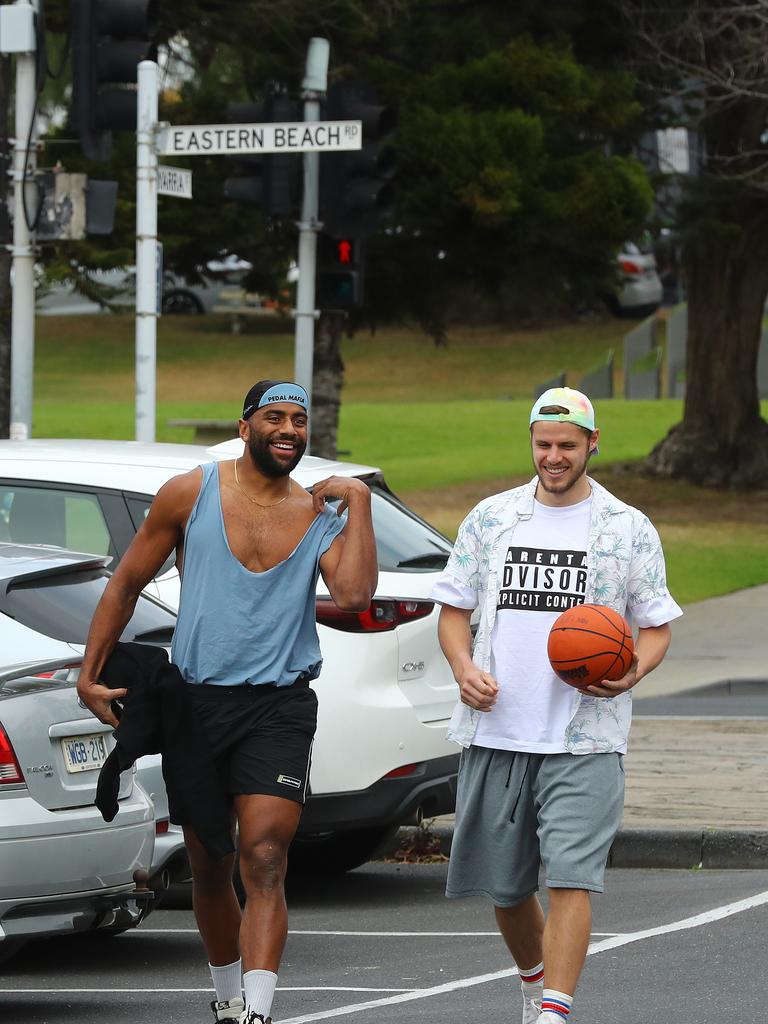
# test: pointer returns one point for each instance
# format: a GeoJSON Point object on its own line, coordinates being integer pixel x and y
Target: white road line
{"type": "Point", "coordinates": [409, 995]}
{"type": "Point", "coordinates": [716, 914]}
{"type": "Point", "coordinates": [378, 935]}
{"type": "Point", "coordinates": [135, 991]}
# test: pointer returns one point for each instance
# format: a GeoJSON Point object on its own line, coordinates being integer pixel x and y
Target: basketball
{"type": "Point", "coordinates": [589, 643]}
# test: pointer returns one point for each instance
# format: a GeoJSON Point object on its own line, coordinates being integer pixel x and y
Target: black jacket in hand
{"type": "Point", "coordinates": [158, 717]}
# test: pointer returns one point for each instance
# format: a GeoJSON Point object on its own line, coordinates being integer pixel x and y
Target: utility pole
{"type": "Point", "coordinates": [314, 86]}
{"type": "Point", "coordinates": [18, 34]}
{"type": "Point", "coordinates": [6, 234]}
{"type": "Point", "coordinates": [146, 252]}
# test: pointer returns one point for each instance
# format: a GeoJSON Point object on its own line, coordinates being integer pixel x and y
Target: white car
{"type": "Point", "coordinates": [381, 757]}
{"type": "Point", "coordinates": [641, 288]}
{"type": "Point", "coordinates": [179, 295]}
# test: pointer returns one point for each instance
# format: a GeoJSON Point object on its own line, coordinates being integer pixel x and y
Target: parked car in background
{"type": "Point", "coordinates": [381, 757]}
{"type": "Point", "coordinates": [62, 867]}
{"type": "Point", "coordinates": [179, 295]}
{"type": "Point", "coordinates": [47, 599]}
{"type": "Point", "coordinates": [220, 284]}
{"type": "Point", "coordinates": [641, 289]}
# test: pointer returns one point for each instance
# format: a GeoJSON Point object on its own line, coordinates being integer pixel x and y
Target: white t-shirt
{"type": "Point", "coordinates": [544, 574]}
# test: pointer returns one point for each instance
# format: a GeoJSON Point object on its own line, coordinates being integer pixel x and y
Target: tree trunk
{"type": "Point", "coordinates": [722, 440]}
{"type": "Point", "coordinates": [327, 381]}
{"type": "Point", "coordinates": [6, 238]}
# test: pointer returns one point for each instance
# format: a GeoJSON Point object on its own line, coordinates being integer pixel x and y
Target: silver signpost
{"type": "Point", "coordinates": [19, 38]}
{"type": "Point", "coordinates": [146, 252]}
{"type": "Point", "coordinates": [314, 88]}
{"type": "Point", "coordinates": [309, 137]}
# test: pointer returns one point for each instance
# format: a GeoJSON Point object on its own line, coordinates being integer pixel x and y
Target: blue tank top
{"type": "Point", "coordinates": [236, 626]}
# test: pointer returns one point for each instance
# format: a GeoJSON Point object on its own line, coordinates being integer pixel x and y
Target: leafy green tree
{"type": "Point", "coordinates": [703, 66]}
{"type": "Point", "coordinates": [511, 190]}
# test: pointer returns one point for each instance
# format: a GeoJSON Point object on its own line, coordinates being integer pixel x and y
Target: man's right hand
{"type": "Point", "coordinates": [98, 699]}
{"type": "Point", "coordinates": [479, 690]}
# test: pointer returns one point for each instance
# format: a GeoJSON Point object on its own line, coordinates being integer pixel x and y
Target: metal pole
{"type": "Point", "coordinates": [146, 252]}
{"type": "Point", "coordinates": [314, 86]}
{"type": "Point", "coordinates": [23, 301]}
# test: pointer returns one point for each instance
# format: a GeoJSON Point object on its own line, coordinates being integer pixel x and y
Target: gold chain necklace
{"type": "Point", "coordinates": [253, 500]}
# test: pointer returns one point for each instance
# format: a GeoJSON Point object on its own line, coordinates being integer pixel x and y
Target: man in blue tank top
{"type": "Point", "coordinates": [250, 544]}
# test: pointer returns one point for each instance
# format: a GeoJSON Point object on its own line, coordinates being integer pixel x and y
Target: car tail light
{"type": "Point", "coordinates": [629, 267]}
{"type": "Point", "coordinates": [10, 770]}
{"type": "Point", "coordinates": [161, 826]}
{"type": "Point", "coordinates": [55, 673]}
{"type": "Point", "coordinates": [382, 614]}
{"type": "Point", "coordinates": [399, 773]}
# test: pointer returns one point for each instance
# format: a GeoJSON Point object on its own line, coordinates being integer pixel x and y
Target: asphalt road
{"type": "Point", "coordinates": [383, 944]}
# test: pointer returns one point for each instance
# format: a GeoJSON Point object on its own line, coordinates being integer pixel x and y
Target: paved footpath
{"type": "Point", "coordinates": [697, 767]}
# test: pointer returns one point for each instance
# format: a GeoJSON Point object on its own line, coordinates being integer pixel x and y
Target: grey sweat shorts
{"type": "Point", "coordinates": [515, 809]}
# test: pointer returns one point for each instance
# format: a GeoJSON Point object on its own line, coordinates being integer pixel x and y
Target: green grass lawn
{"type": "Point", "coordinates": [710, 560]}
{"type": "Point", "coordinates": [438, 444]}
{"type": "Point", "coordinates": [434, 419]}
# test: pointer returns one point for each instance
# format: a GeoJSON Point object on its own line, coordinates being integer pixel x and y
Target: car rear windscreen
{"type": "Point", "coordinates": [61, 606]}
{"type": "Point", "coordinates": [405, 543]}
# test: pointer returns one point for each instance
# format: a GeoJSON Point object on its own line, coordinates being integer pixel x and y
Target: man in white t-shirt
{"type": "Point", "coordinates": [541, 775]}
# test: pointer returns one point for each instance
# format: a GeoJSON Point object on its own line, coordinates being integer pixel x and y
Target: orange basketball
{"type": "Point", "coordinates": [589, 643]}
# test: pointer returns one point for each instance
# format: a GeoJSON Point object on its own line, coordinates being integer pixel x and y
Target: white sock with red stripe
{"type": "Point", "coordinates": [532, 981]}
{"type": "Point", "coordinates": [555, 1006]}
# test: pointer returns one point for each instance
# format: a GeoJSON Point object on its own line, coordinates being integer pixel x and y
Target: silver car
{"type": "Point", "coordinates": [62, 867]}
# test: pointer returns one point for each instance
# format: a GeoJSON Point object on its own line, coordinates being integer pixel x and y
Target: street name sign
{"type": "Point", "coordinates": [236, 139]}
{"type": "Point", "coordinates": [174, 181]}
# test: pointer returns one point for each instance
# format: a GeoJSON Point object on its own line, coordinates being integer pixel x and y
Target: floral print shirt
{"type": "Point", "coordinates": [625, 571]}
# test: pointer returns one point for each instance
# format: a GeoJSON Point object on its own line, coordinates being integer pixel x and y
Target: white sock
{"type": "Point", "coordinates": [228, 981]}
{"type": "Point", "coordinates": [555, 1006]}
{"type": "Point", "coordinates": [532, 981]}
{"type": "Point", "coordinates": [259, 991]}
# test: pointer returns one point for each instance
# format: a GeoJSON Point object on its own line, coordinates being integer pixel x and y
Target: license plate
{"type": "Point", "coordinates": [84, 753]}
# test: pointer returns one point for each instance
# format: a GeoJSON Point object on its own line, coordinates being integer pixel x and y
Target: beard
{"type": "Point", "coordinates": [563, 484]}
{"type": "Point", "coordinates": [264, 460]}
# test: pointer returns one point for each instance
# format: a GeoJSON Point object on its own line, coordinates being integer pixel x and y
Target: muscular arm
{"type": "Point", "coordinates": [160, 533]}
{"type": "Point", "coordinates": [650, 648]}
{"type": "Point", "coordinates": [478, 689]}
{"type": "Point", "coordinates": [350, 566]}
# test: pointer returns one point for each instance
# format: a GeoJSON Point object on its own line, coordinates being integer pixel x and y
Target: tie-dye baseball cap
{"type": "Point", "coordinates": [578, 408]}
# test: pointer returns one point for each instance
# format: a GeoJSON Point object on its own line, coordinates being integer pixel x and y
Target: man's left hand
{"type": "Point", "coordinates": [614, 687]}
{"type": "Point", "coordinates": [343, 488]}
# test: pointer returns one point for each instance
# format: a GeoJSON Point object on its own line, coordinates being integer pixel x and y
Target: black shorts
{"type": "Point", "coordinates": [260, 736]}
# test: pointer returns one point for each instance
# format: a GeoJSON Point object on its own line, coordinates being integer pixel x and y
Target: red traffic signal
{"type": "Point", "coordinates": [344, 251]}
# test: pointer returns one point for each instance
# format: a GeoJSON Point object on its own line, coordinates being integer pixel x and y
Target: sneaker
{"type": "Point", "coordinates": [531, 1010]}
{"type": "Point", "coordinates": [229, 1009]}
{"type": "Point", "coordinates": [254, 1018]}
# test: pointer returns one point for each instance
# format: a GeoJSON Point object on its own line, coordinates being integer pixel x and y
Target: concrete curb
{"type": "Point", "coordinates": [636, 847]}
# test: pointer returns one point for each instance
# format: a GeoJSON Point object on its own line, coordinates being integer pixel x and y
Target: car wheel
{"type": "Point", "coordinates": [181, 303]}
{"type": "Point", "coordinates": [638, 312]}
{"type": "Point", "coordinates": [333, 853]}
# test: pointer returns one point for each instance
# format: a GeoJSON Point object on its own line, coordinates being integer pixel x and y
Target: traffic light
{"type": "Point", "coordinates": [272, 181]}
{"type": "Point", "coordinates": [355, 186]}
{"type": "Point", "coordinates": [109, 39]}
{"type": "Point", "coordinates": [341, 262]}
